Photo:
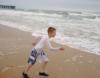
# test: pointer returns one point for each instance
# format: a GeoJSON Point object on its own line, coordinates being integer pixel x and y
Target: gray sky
{"type": "Point", "coordinates": [55, 4]}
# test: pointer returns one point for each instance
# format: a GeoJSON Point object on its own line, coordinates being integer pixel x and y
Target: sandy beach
{"type": "Point", "coordinates": [15, 47]}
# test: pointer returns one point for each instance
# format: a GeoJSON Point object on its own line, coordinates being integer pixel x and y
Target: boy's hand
{"type": "Point", "coordinates": [61, 49]}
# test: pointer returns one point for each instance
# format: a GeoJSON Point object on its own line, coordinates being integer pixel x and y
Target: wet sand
{"type": "Point", "coordinates": [15, 47]}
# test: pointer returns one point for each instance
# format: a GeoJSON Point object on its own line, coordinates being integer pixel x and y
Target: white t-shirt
{"type": "Point", "coordinates": [44, 42]}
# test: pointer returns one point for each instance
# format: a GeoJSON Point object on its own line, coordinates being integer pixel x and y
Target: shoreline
{"type": "Point", "coordinates": [71, 46]}
{"type": "Point", "coordinates": [15, 47]}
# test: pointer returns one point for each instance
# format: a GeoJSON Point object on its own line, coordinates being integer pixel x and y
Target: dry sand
{"type": "Point", "coordinates": [15, 47]}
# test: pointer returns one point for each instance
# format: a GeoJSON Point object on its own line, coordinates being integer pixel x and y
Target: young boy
{"type": "Point", "coordinates": [37, 52]}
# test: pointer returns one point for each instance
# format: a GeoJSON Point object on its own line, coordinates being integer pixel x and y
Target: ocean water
{"type": "Point", "coordinates": [77, 29]}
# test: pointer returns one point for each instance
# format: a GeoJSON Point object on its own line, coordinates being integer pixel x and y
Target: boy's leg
{"type": "Point", "coordinates": [28, 68]}
{"type": "Point", "coordinates": [43, 59]}
{"type": "Point", "coordinates": [44, 65]}
{"type": "Point", "coordinates": [31, 62]}
{"type": "Point", "coordinates": [25, 73]}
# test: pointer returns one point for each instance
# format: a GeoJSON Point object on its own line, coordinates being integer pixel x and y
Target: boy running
{"type": "Point", "coordinates": [37, 52]}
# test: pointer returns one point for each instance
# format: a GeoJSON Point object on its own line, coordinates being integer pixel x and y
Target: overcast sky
{"type": "Point", "coordinates": [55, 4]}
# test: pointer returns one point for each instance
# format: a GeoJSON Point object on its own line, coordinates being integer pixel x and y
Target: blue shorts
{"type": "Point", "coordinates": [34, 56]}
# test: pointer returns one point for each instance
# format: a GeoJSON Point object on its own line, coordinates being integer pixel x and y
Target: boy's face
{"type": "Point", "coordinates": [53, 34]}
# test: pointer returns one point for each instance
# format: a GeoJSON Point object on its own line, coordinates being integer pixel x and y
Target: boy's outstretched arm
{"type": "Point", "coordinates": [52, 48]}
